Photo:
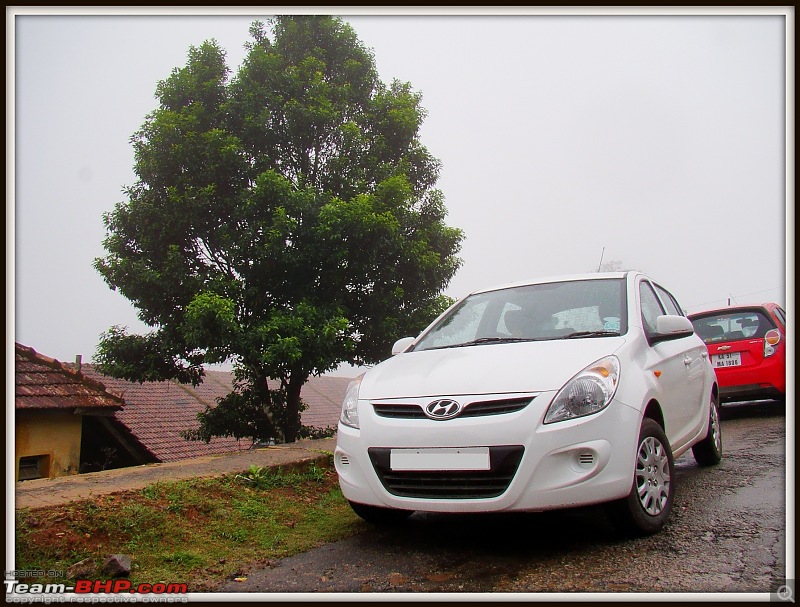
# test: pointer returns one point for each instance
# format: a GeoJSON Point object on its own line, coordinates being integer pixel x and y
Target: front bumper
{"type": "Point", "coordinates": [533, 466]}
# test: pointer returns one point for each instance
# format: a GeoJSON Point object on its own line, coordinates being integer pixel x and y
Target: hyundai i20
{"type": "Point", "coordinates": [534, 396]}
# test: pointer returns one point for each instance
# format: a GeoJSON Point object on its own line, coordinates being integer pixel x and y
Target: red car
{"type": "Point", "coordinates": [747, 345]}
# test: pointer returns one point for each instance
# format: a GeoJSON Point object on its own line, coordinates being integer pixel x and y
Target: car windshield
{"type": "Point", "coordinates": [578, 309]}
{"type": "Point", "coordinates": [731, 326]}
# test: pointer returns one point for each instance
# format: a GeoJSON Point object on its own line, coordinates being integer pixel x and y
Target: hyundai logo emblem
{"type": "Point", "coordinates": [442, 409]}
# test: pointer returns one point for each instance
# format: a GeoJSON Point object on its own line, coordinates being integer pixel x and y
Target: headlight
{"type": "Point", "coordinates": [350, 404]}
{"type": "Point", "coordinates": [588, 392]}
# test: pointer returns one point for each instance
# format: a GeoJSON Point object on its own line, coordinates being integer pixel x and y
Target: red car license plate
{"type": "Point", "coordinates": [729, 359]}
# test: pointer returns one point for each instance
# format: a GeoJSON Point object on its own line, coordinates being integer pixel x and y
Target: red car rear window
{"type": "Point", "coordinates": [731, 326]}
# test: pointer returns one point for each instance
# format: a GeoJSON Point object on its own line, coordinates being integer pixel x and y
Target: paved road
{"type": "Point", "coordinates": [727, 534]}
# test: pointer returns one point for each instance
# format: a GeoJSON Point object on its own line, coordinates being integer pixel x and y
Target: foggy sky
{"type": "Point", "coordinates": [658, 141]}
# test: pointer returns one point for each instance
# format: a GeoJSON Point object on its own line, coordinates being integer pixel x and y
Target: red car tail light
{"type": "Point", "coordinates": [771, 340]}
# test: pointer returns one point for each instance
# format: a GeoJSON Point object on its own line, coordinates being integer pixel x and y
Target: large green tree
{"type": "Point", "coordinates": [285, 219]}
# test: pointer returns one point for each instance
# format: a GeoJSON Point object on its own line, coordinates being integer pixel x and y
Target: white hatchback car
{"type": "Point", "coordinates": [547, 394]}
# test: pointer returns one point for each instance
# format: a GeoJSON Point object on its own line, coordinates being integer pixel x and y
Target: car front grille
{"type": "Point", "coordinates": [467, 484]}
{"type": "Point", "coordinates": [489, 407]}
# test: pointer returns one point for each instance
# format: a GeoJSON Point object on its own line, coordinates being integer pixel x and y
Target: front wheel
{"type": "Point", "coordinates": [380, 516]}
{"type": "Point", "coordinates": [708, 452]}
{"type": "Point", "coordinates": [647, 507]}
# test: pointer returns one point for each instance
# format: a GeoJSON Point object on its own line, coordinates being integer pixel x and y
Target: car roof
{"type": "Point", "coordinates": [733, 309]}
{"type": "Point", "coordinates": [562, 278]}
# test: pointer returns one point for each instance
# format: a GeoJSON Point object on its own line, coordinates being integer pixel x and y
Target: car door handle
{"type": "Point", "coordinates": [687, 361]}
{"type": "Point", "coordinates": [704, 354]}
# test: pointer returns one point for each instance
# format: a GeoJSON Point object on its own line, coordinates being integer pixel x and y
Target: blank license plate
{"type": "Point", "coordinates": [444, 458]}
{"type": "Point", "coordinates": [729, 359]}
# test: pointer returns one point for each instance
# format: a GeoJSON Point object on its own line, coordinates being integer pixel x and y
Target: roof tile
{"type": "Point", "coordinates": [157, 412]}
{"type": "Point", "coordinates": [41, 382]}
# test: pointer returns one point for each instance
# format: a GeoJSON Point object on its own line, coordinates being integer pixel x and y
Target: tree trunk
{"type": "Point", "coordinates": [292, 430]}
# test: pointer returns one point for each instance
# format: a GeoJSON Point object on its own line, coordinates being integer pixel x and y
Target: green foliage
{"type": "Point", "coordinates": [210, 323]}
{"type": "Point", "coordinates": [315, 433]}
{"type": "Point", "coordinates": [184, 559]}
{"type": "Point", "coordinates": [284, 219]}
{"type": "Point", "coordinates": [146, 358]}
{"type": "Point", "coordinates": [256, 473]}
{"type": "Point", "coordinates": [200, 531]}
{"type": "Point", "coordinates": [266, 478]}
{"type": "Point", "coordinates": [250, 410]}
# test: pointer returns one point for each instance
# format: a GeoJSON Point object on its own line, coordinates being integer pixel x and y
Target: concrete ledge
{"type": "Point", "coordinates": [53, 492]}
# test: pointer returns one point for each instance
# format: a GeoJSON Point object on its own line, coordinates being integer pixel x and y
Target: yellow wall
{"type": "Point", "coordinates": [56, 434]}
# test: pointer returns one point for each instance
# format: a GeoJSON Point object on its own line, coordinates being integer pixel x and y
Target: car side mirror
{"type": "Point", "coordinates": [672, 327]}
{"type": "Point", "coordinates": [401, 345]}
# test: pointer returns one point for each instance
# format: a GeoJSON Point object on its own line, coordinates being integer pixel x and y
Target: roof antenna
{"type": "Point", "coordinates": [600, 265]}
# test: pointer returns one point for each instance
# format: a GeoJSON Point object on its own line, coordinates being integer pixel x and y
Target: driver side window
{"type": "Point", "coordinates": [651, 308]}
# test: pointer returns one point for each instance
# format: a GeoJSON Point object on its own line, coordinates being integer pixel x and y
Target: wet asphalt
{"type": "Point", "coordinates": [727, 534]}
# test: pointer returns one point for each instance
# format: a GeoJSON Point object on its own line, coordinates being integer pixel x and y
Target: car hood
{"type": "Point", "coordinates": [484, 369]}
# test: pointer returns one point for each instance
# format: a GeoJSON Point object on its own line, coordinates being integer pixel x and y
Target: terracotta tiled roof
{"type": "Point", "coordinates": [157, 412]}
{"type": "Point", "coordinates": [324, 396]}
{"type": "Point", "coordinates": [42, 382]}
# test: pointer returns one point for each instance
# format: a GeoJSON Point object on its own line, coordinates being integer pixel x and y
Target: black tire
{"type": "Point", "coordinates": [654, 478]}
{"type": "Point", "coordinates": [380, 516]}
{"type": "Point", "coordinates": [708, 452]}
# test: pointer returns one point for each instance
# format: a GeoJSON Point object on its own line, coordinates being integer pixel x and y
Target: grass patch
{"type": "Point", "coordinates": [200, 532]}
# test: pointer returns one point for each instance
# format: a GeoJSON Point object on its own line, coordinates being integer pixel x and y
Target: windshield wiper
{"type": "Point", "coordinates": [591, 334]}
{"type": "Point", "coordinates": [485, 340]}
{"type": "Point", "coordinates": [497, 340]}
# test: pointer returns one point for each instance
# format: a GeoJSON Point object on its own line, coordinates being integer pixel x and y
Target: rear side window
{"type": "Point", "coordinates": [739, 324]}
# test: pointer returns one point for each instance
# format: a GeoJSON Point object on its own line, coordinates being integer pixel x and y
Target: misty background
{"type": "Point", "coordinates": [655, 141]}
